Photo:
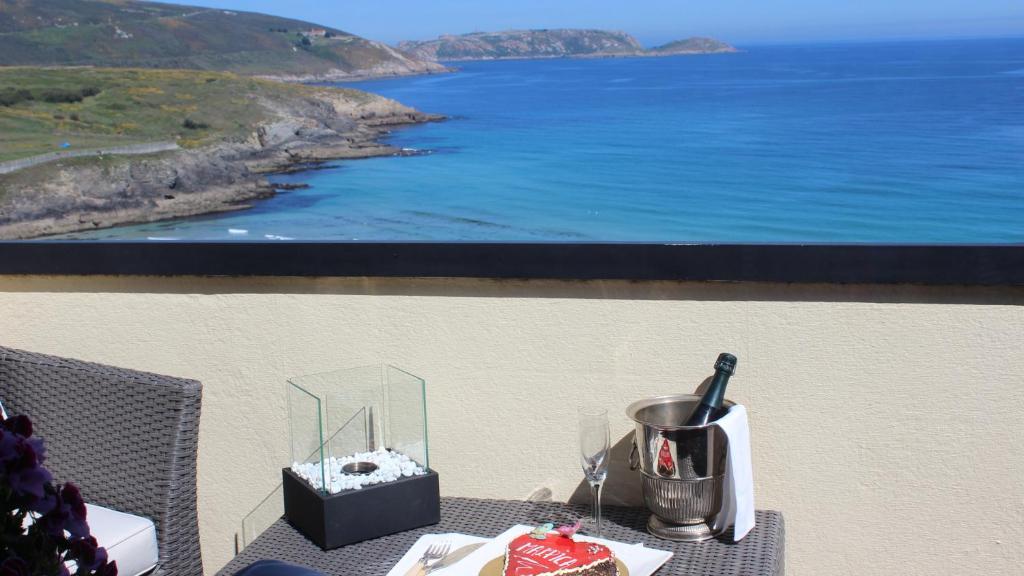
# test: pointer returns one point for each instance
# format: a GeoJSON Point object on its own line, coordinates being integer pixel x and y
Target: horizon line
{"type": "Point", "coordinates": [756, 43]}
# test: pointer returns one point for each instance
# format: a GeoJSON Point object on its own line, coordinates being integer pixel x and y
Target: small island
{"type": "Point", "coordinates": [560, 43]}
{"type": "Point", "coordinates": [694, 45]}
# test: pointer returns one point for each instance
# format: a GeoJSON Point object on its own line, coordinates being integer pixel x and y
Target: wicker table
{"type": "Point", "coordinates": [759, 554]}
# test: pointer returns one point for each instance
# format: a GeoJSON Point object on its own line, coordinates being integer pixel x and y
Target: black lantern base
{"type": "Point", "coordinates": [333, 520]}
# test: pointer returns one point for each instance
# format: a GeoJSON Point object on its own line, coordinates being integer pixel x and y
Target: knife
{"type": "Point", "coordinates": [455, 556]}
{"type": "Point", "coordinates": [416, 570]}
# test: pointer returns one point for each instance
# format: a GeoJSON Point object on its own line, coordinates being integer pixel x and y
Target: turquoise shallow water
{"type": "Point", "coordinates": [902, 142]}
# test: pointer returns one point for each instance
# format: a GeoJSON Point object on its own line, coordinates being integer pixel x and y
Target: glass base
{"type": "Point", "coordinates": [588, 527]}
{"type": "Point", "coordinates": [682, 532]}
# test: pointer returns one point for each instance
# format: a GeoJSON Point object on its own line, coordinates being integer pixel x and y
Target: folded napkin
{"type": "Point", "coordinates": [738, 492]}
{"type": "Point", "coordinates": [639, 560]}
{"type": "Point", "coordinates": [416, 552]}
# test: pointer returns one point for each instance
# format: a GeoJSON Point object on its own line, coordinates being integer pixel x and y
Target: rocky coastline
{"type": "Point", "coordinates": [92, 193]}
{"type": "Point", "coordinates": [338, 76]}
{"type": "Point", "coordinates": [397, 65]}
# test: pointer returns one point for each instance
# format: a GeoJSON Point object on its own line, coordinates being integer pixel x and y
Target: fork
{"type": "Point", "coordinates": [434, 553]}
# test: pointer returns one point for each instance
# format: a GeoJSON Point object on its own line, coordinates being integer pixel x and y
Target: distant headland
{"type": "Point", "coordinates": [560, 43]}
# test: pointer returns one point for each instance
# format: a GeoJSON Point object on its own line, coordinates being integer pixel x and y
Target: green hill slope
{"type": "Point", "coordinates": [127, 33]}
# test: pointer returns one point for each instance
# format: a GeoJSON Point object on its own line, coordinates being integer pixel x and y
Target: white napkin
{"type": "Point", "coordinates": [416, 552]}
{"type": "Point", "coordinates": [639, 560]}
{"type": "Point", "coordinates": [738, 493]}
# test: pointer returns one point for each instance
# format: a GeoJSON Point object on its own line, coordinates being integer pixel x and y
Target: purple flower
{"type": "Point", "coordinates": [75, 523]}
{"type": "Point", "coordinates": [47, 503]}
{"type": "Point", "coordinates": [52, 520]}
{"type": "Point", "coordinates": [87, 553]}
{"type": "Point", "coordinates": [109, 569]}
{"type": "Point", "coordinates": [24, 474]}
{"type": "Point", "coordinates": [66, 512]}
{"type": "Point", "coordinates": [19, 424]}
{"type": "Point", "coordinates": [15, 566]}
{"type": "Point", "coordinates": [38, 448]}
{"type": "Point", "coordinates": [60, 532]}
{"type": "Point", "coordinates": [8, 445]}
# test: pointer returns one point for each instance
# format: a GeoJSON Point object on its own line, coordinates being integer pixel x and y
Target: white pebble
{"type": "Point", "coordinates": [390, 467]}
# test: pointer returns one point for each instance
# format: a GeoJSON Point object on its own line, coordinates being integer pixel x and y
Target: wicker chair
{"type": "Point", "coordinates": [128, 439]}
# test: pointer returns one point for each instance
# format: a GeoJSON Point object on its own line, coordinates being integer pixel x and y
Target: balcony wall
{"type": "Point", "coordinates": [886, 421]}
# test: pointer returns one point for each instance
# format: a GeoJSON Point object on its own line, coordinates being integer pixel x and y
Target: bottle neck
{"type": "Point", "coordinates": [715, 394]}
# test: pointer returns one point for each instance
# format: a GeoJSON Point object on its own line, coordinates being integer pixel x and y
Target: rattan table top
{"type": "Point", "coordinates": [760, 553]}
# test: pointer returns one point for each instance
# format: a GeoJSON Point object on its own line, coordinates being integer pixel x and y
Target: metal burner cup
{"type": "Point", "coordinates": [359, 468]}
{"type": "Point", "coordinates": [683, 467]}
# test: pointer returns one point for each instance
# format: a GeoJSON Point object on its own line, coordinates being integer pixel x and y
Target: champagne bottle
{"type": "Point", "coordinates": [711, 404]}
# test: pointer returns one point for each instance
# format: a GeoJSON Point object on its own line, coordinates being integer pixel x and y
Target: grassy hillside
{"type": "Point", "coordinates": [127, 33]}
{"type": "Point", "coordinates": [92, 107]}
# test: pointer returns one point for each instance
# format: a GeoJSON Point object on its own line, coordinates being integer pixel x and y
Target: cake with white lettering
{"type": "Point", "coordinates": [553, 554]}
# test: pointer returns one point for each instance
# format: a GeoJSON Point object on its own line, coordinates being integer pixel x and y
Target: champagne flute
{"type": "Point", "coordinates": [595, 445]}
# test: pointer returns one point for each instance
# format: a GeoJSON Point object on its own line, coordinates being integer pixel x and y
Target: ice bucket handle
{"type": "Point", "coordinates": [634, 456]}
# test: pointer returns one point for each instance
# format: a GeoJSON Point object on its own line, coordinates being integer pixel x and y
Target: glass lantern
{"type": "Point", "coordinates": [336, 416]}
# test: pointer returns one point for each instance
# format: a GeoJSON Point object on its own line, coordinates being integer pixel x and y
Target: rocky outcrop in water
{"type": "Point", "coordinates": [695, 45]}
{"type": "Point", "coordinates": [562, 43]}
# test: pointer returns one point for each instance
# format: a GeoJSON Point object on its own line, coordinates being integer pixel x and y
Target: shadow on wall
{"type": "Point", "coordinates": [623, 486]}
{"type": "Point", "coordinates": [492, 288]}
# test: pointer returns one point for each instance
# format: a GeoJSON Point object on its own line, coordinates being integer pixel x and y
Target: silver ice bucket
{"type": "Point", "coordinates": [683, 467]}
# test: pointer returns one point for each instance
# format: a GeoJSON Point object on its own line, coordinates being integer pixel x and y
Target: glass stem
{"type": "Point", "coordinates": [595, 489]}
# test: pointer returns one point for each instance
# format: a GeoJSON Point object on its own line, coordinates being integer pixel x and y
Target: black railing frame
{"type": "Point", "coordinates": [992, 265]}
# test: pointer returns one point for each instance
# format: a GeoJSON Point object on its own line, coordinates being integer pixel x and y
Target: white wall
{"type": "Point", "coordinates": [886, 420]}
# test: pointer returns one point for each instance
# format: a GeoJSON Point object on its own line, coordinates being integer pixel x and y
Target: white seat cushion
{"type": "Point", "coordinates": [129, 540]}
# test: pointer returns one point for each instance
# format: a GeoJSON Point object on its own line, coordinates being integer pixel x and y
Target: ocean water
{"type": "Point", "coordinates": [885, 142]}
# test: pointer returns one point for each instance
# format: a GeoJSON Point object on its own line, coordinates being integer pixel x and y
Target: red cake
{"type": "Point", "coordinates": [557, 555]}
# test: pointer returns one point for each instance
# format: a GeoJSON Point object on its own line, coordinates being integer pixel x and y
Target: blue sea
{"type": "Point", "coordinates": [886, 142]}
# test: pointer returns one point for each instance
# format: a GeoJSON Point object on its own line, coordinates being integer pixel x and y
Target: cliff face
{"type": "Point", "coordinates": [566, 43]}
{"type": "Point", "coordinates": [127, 33]}
{"type": "Point", "coordinates": [524, 44]}
{"type": "Point", "coordinates": [90, 193]}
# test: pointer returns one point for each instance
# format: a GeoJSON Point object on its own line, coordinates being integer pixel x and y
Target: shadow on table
{"type": "Point", "coordinates": [621, 490]}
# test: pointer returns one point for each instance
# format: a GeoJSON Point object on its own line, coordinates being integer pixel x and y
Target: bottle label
{"type": "Point", "coordinates": [666, 465]}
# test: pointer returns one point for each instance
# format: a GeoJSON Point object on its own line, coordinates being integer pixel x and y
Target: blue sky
{"type": "Point", "coordinates": [657, 21]}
